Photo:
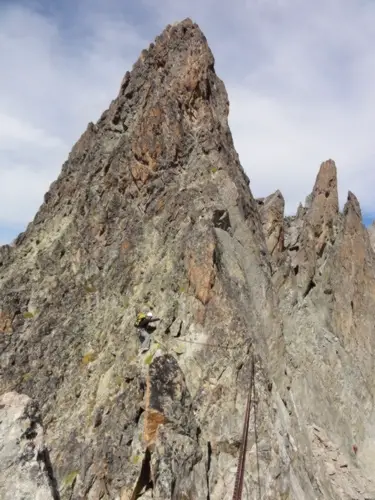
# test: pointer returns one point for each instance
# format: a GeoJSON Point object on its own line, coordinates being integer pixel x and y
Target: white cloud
{"type": "Point", "coordinates": [300, 78]}
{"type": "Point", "coordinates": [52, 85]}
{"type": "Point", "coordinates": [311, 100]}
{"type": "Point", "coordinates": [14, 131]}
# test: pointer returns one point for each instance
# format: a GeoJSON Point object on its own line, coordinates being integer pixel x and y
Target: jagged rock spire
{"type": "Point", "coordinates": [324, 204]}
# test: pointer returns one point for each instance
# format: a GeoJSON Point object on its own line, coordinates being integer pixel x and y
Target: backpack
{"type": "Point", "coordinates": [140, 318]}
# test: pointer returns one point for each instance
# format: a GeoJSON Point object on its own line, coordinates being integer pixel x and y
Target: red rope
{"type": "Point", "coordinates": [238, 487]}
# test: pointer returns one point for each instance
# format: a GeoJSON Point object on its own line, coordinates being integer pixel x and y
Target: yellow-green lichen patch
{"type": "Point", "coordinates": [136, 459]}
{"type": "Point", "coordinates": [70, 478]}
{"type": "Point", "coordinates": [148, 358]}
{"type": "Point", "coordinates": [89, 358]}
{"type": "Point", "coordinates": [90, 288]}
{"type": "Point", "coordinates": [26, 377]}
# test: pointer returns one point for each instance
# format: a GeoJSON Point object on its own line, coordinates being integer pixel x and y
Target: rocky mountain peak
{"type": "Point", "coordinates": [180, 53]}
{"type": "Point", "coordinates": [324, 204]}
{"type": "Point", "coordinates": [326, 182]}
{"type": "Point", "coordinates": [352, 207]}
{"type": "Point", "coordinates": [153, 211]}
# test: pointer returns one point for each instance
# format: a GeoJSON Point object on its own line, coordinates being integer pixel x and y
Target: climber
{"type": "Point", "coordinates": [143, 324]}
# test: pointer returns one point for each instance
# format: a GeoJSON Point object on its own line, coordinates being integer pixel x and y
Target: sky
{"type": "Point", "coordinates": [300, 78]}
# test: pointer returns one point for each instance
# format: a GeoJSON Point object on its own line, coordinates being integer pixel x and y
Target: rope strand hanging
{"type": "Point", "coordinates": [238, 487]}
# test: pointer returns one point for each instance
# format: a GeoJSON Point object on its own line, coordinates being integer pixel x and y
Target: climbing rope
{"type": "Point", "coordinates": [256, 435]}
{"type": "Point", "coordinates": [219, 346]}
{"type": "Point", "coordinates": [238, 487]}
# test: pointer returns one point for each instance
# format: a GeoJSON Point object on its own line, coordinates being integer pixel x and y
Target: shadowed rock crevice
{"type": "Point", "coordinates": [144, 481]}
{"type": "Point", "coordinates": [26, 471]}
{"type": "Point", "coordinates": [43, 456]}
{"type": "Point", "coordinates": [209, 456]}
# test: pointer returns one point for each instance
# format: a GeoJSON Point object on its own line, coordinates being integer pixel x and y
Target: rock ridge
{"type": "Point", "coordinates": [153, 210]}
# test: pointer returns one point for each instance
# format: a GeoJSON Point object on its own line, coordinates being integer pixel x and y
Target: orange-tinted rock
{"type": "Point", "coordinates": [5, 323]}
{"type": "Point", "coordinates": [153, 419]}
{"type": "Point", "coordinates": [200, 268]}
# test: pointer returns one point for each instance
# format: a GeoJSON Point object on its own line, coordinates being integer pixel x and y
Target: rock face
{"type": "Point", "coordinates": [25, 469]}
{"type": "Point", "coordinates": [153, 209]}
{"type": "Point", "coordinates": [271, 210]}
